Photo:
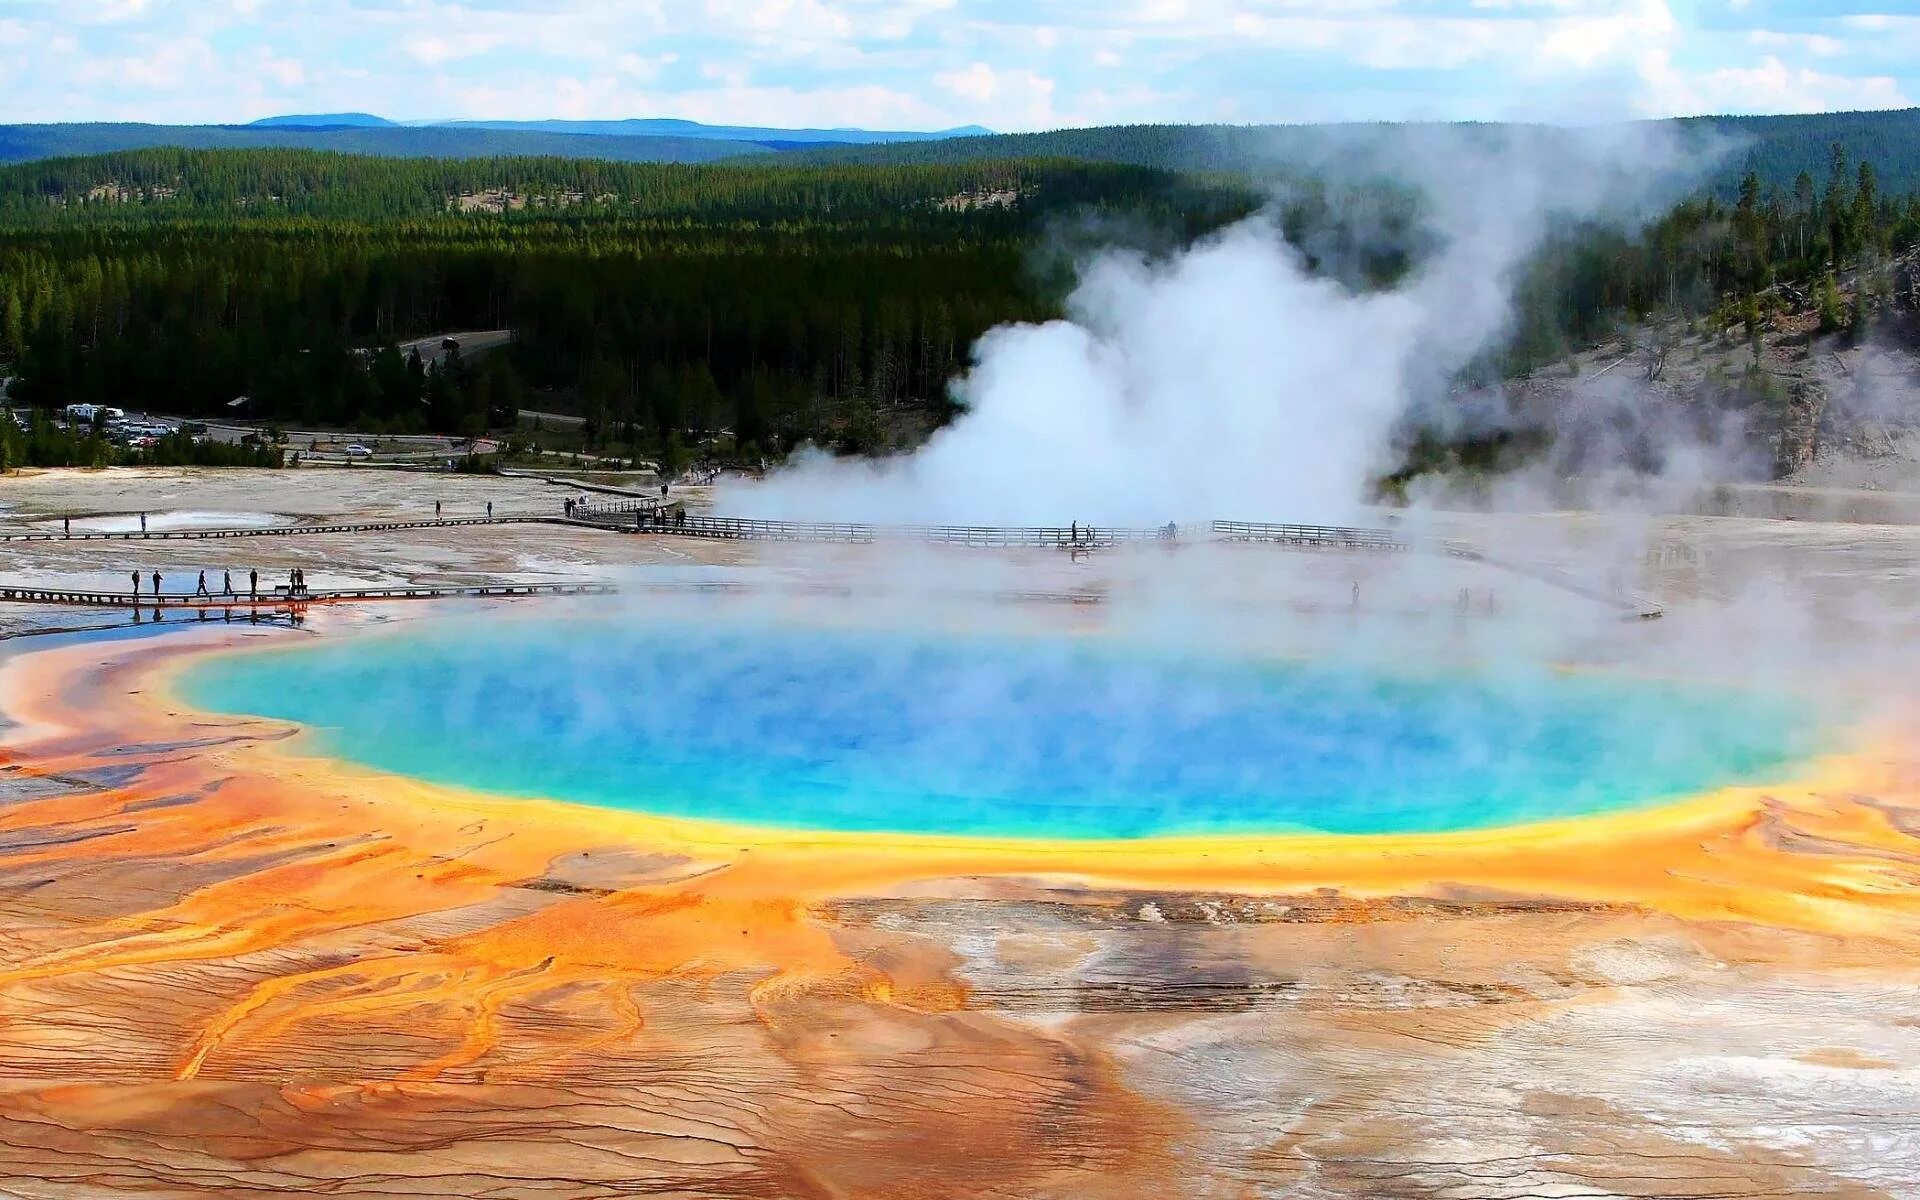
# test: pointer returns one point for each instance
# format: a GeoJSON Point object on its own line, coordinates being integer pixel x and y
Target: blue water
{"type": "Point", "coordinates": [833, 729]}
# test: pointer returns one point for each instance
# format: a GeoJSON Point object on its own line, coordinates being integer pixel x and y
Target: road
{"type": "Point", "coordinates": [536, 417]}
{"type": "Point", "coordinates": [433, 349]}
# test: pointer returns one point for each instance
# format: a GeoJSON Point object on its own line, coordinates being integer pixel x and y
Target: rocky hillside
{"type": "Point", "coordinates": [1802, 399]}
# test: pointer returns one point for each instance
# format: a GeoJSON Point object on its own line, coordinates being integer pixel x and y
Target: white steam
{"type": "Point", "coordinates": [1232, 380]}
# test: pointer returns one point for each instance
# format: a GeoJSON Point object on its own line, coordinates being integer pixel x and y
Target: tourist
{"type": "Point", "coordinates": [253, 583]}
{"type": "Point", "coordinates": [136, 587]}
{"type": "Point", "coordinates": [569, 507]}
{"type": "Point", "coordinates": [489, 510]}
{"type": "Point", "coordinates": [143, 522]}
{"type": "Point", "coordinates": [200, 589]}
{"type": "Point", "coordinates": [156, 585]}
{"type": "Point", "coordinates": [1356, 593]}
{"type": "Point", "coordinates": [226, 583]}
{"type": "Point", "coordinates": [436, 510]}
{"type": "Point", "coordinates": [66, 526]}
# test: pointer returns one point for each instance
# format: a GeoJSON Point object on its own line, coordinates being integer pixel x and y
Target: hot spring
{"type": "Point", "coordinates": [807, 727]}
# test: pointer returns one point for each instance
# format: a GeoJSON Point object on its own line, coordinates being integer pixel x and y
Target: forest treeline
{"type": "Point", "coordinates": [801, 303]}
{"type": "Point", "coordinates": [761, 305]}
{"type": "Point", "coordinates": [1738, 262]}
{"type": "Point", "coordinates": [173, 186]}
{"type": "Point", "coordinates": [1774, 148]}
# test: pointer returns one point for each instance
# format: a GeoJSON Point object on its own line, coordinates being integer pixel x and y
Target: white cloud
{"type": "Point", "coordinates": [1771, 86]}
{"type": "Point", "coordinates": [1018, 98]}
{"type": "Point", "coordinates": [444, 48]}
{"type": "Point", "coordinates": [935, 62]}
{"type": "Point", "coordinates": [1817, 44]}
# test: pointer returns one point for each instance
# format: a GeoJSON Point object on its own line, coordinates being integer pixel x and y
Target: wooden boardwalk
{"type": "Point", "coordinates": [1339, 537]}
{"type": "Point", "coordinates": [284, 598]}
{"type": "Point", "coordinates": [640, 517]}
{"type": "Point", "coordinates": [1327, 537]}
{"type": "Point", "coordinates": [199, 535]}
{"type": "Point", "coordinates": [648, 515]}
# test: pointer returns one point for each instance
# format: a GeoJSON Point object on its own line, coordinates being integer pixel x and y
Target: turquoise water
{"type": "Point", "coordinates": [833, 729]}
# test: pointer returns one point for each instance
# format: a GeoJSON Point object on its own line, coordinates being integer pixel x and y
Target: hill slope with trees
{"type": "Point", "coordinates": [761, 304]}
{"type": "Point", "coordinates": [1776, 148]}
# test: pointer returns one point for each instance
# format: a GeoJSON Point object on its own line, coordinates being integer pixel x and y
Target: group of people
{"type": "Point", "coordinates": [658, 516]}
{"type": "Point", "coordinates": [1464, 604]}
{"type": "Point", "coordinates": [437, 510]}
{"type": "Point", "coordinates": [66, 525]}
{"type": "Point", "coordinates": [296, 585]}
{"type": "Point", "coordinates": [642, 516]}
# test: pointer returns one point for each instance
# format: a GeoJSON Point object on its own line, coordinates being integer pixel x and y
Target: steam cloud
{"type": "Point", "coordinates": [1231, 379]}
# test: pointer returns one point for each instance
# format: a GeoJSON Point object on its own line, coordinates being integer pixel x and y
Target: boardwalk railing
{"type": "Point", "coordinates": [1339, 537]}
{"type": "Point", "coordinates": [648, 515]}
{"type": "Point", "coordinates": [1333, 537]}
{"type": "Point", "coordinates": [281, 597]}
{"type": "Point", "coordinates": [1627, 602]}
{"type": "Point", "coordinates": [681, 524]}
{"type": "Point", "coordinates": [616, 508]}
{"type": "Point", "coordinates": [195, 535]}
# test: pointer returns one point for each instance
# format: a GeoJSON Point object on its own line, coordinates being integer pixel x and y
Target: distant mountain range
{"type": "Point", "coordinates": [643, 140]}
{"type": "Point", "coordinates": [1778, 148]}
{"type": "Point", "coordinates": [27, 143]}
{"type": "Point", "coordinates": [325, 121]}
{"type": "Point", "coordinates": [666, 127]}
{"type": "Point", "coordinates": [634, 127]}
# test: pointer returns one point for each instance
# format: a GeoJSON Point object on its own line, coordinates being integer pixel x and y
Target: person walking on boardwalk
{"type": "Point", "coordinates": [200, 589]}
{"type": "Point", "coordinates": [253, 583]}
{"type": "Point", "coordinates": [143, 522]}
{"type": "Point", "coordinates": [436, 510]}
{"type": "Point", "coordinates": [226, 583]}
{"type": "Point", "coordinates": [489, 510]}
{"type": "Point", "coordinates": [66, 526]}
{"type": "Point", "coordinates": [156, 587]}
{"type": "Point", "coordinates": [136, 587]}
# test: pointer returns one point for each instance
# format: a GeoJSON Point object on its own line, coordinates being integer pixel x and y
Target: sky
{"type": "Point", "coordinates": [935, 64]}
